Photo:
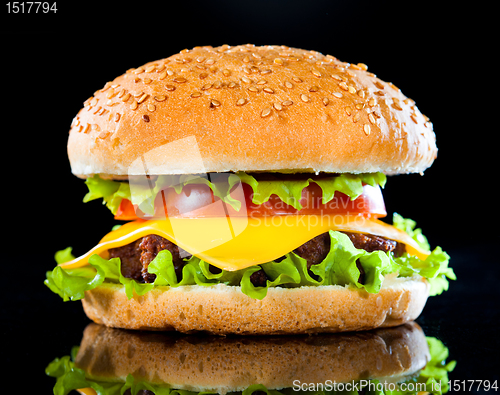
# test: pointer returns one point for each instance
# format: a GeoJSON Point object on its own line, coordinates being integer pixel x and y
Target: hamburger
{"type": "Point", "coordinates": [249, 179]}
{"type": "Point", "coordinates": [113, 361]}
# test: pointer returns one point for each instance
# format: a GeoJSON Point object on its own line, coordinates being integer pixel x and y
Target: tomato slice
{"type": "Point", "coordinates": [197, 201]}
{"type": "Point", "coordinates": [126, 211]}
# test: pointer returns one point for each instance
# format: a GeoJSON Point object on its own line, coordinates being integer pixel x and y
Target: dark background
{"type": "Point", "coordinates": [442, 56]}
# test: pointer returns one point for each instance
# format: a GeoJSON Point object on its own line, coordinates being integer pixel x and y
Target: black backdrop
{"type": "Point", "coordinates": [441, 56]}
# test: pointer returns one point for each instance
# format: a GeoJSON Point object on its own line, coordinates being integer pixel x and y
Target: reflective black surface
{"type": "Point", "coordinates": [51, 65]}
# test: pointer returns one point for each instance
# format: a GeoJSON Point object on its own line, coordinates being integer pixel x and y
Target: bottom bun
{"type": "Point", "coordinates": [223, 309]}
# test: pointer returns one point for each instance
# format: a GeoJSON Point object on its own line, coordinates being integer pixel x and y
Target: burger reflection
{"type": "Point", "coordinates": [399, 360]}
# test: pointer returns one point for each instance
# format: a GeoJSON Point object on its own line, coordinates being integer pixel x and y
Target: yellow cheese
{"type": "Point", "coordinates": [236, 243]}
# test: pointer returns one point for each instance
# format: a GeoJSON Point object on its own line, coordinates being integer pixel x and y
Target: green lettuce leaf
{"type": "Point", "coordinates": [435, 268]}
{"type": "Point", "coordinates": [143, 193]}
{"type": "Point", "coordinates": [290, 191]}
{"type": "Point", "coordinates": [112, 192]}
{"type": "Point", "coordinates": [408, 225]}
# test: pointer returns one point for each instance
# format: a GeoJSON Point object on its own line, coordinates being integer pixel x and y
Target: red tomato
{"type": "Point", "coordinates": [197, 201]}
{"type": "Point", "coordinates": [126, 211]}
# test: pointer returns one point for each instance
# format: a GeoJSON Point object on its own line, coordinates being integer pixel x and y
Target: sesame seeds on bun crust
{"type": "Point", "coordinates": [269, 108]}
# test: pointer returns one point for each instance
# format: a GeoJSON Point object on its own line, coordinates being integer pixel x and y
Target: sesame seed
{"type": "Point", "coordinates": [160, 98]}
{"type": "Point", "coordinates": [357, 117]}
{"type": "Point", "coordinates": [246, 59]}
{"type": "Point", "coordinates": [379, 85]}
{"type": "Point", "coordinates": [371, 118]}
{"type": "Point", "coordinates": [344, 86]}
{"type": "Point", "coordinates": [106, 87]}
{"type": "Point", "coordinates": [360, 106]}
{"type": "Point", "coordinates": [240, 102]}
{"type": "Point", "coordinates": [210, 61]}
{"type": "Point", "coordinates": [96, 127]}
{"type": "Point", "coordinates": [326, 101]}
{"type": "Point", "coordinates": [297, 79]}
{"type": "Point", "coordinates": [163, 75]}
{"type": "Point", "coordinates": [379, 93]}
{"type": "Point", "coordinates": [145, 118]}
{"type": "Point", "coordinates": [253, 89]}
{"type": "Point", "coordinates": [226, 73]}
{"type": "Point", "coordinates": [151, 107]}
{"type": "Point", "coordinates": [367, 129]}
{"type": "Point", "coordinates": [231, 84]}
{"type": "Point", "coordinates": [206, 87]}
{"type": "Point", "coordinates": [86, 129]}
{"type": "Point", "coordinates": [277, 106]}
{"type": "Point", "coordinates": [246, 80]}
{"type": "Point", "coordinates": [354, 67]}
{"type": "Point", "coordinates": [111, 94]}
{"type": "Point", "coordinates": [261, 82]}
{"type": "Point", "coordinates": [337, 77]}
{"type": "Point", "coordinates": [196, 94]}
{"type": "Point", "coordinates": [134, 105]}
{"type": "Point", "coordinates": [413, 117]}
{"type": "Point", "coordinates": [288, 84]}
{"type": "Point", "coordinates": [396, 105]}
{"type": "Point", "coordinates": [265, 112]}
{"type": "Point", "coordinates": [267, 71]}
{"type": "Point", "coordinates": [103, 134]}
{"type": "Point", "coordinates": [142, 98]}
{"type": "Point", "coordinates": [203, 76]}
{"type": "Point", "coordinates": [126, 97]}
{"type": "Point", "coordinates": [316, 73]}
{"type": "Point", "coordinates": [139, 70]}
{"type": "Point", "coordinates": [117, 117]}
{"type": "Point", "coordinates": [214, 103]}
{"type": "Point", "coordinates": [393, 86]}
{"type": "Point", "coordinates": [170, 72]}
{"type": "Point", "coordinates": [348, 110]}
{"type": "Point", "coordinates": [200, 59]}
{"type": "Point", "coordinates": [314, 88]}
{"type": "Point", "coordinates": [279, 61]}
{"type": "Point", "coordinates": [268, 90]}
{"type": "Point", "coordinates": [160, 68]}
{"type": "Point", "coordinates": [170, 87]}
{"type": "Point", "coordinates": [122, 92]}
{"type": "Point", "coordinates": [287, 103]}
{"type": "Point", "coordinates": [351, 89]}
{"type": "Point", "coordinates": [305, 98]}
{"type": "Point", "coordinates": [337, 95]}
{"type": "Point", "coordinates": [147, 80]}
{"type": "Point", "coordinates": [180, 80]}
{"type": "Point", "coordinates": [363, 66]}
{"type": "Point", "coordinates": [361, 93]}
{"type": "Point", "coordinates": [150, 69]}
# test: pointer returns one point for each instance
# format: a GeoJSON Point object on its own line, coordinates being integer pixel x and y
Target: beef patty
{"type": "Point", "coordinates": [136, 256]}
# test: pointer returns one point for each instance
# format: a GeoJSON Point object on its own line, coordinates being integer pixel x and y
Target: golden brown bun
{"type": "Point", "coordinates": [223, 309]}
{"type": "Point", "coordinates": [269, 108]}
{"type": "Point", "coordinates": [233, 364]}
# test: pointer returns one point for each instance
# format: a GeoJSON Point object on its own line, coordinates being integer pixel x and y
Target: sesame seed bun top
{"type": "Point", "coordinates": [269, 108]}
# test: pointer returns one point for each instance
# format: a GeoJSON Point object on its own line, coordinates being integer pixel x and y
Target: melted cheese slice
{"type": "Point", "coordinates": [237, 243]}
